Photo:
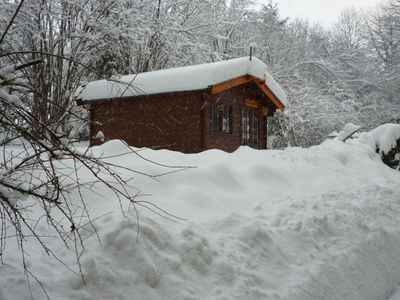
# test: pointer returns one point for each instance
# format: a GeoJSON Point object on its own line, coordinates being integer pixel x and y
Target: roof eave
{"type": "Point", "coordinates": [271, 95]}
{"type": "Point", "coordinates": [92, 101]}
{"type": "Point", "coordinates": [220, 87]}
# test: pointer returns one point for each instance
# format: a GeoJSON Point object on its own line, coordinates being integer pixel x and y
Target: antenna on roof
{"type": "Point", "coordinates": [252, 48]}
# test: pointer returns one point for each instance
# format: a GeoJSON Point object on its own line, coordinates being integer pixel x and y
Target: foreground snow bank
{"type": "Point", "coordinates": [318, 223]}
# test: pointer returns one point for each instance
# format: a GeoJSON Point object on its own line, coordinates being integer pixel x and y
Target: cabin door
{"type": "Point", "coordinates": [250, 131]}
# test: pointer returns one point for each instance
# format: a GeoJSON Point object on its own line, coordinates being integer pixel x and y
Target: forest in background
{"type": "Point", "coordinates": [349, 73]}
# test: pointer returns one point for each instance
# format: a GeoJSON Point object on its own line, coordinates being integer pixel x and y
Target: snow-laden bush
{"type": "Point", "coordinates": [385, 139]}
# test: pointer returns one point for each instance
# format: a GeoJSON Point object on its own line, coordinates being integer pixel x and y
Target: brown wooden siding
{"type": "Point", "coordinates": [178, 121]}
{"type": "Point", "coordinates": [170, 121]}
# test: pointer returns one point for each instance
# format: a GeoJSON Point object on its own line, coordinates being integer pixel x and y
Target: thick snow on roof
{"type": "Point", "coordinates": [196, 77]}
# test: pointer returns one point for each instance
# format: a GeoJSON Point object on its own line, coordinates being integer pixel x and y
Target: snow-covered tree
{"type": "Point", "coordinates": [38, 175]}
{"type": "Point", "coordinates": [383, 36]}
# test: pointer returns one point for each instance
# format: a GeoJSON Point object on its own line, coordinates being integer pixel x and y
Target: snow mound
{"type": "Point", "coordinates": [304, 224]}
{"type": "Point", "coordinates": [189, 78]}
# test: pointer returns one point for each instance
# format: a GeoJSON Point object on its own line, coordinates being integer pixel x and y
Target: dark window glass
{"type": "Point", "coordinates": [245, 127]}
{"type": "Point", "coordinates": [255, 130]}
{"type": "Point", "coordinates": [222, 118]}
{"type": "Point", "coordinates": [250, 128]}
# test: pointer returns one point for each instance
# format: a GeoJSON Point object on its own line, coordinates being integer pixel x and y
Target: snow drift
{"type": "Point", "coordinates": [318, 223]}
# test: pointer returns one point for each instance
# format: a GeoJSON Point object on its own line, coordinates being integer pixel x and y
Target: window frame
{"type": "Point", "coordinates": [250, 128]}
{"type": "Point", "coordinates": [255, 130]}
{"type": "Point", "coordinates": [221, 118]}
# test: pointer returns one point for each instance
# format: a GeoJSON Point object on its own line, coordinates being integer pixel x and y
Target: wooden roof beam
{"type": "Point", "coordinates": [267, 91]}
{"type": "Point", "coordinates": [226, 85]}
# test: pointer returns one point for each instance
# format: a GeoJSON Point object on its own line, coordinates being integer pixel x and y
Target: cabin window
{"type": "Point", "coordinates": [255, 130]}
{"type": "Point", "coordinates": [250, 128]}
{"type": "Point", "coordinates": [222, 118]}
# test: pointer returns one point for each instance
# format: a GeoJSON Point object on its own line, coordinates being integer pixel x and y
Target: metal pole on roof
{"type": "Point", "coordinates": [252, 47]}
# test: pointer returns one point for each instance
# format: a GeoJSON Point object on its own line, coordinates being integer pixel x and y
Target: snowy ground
{"type": "Point", "coordinates": [318, 223]}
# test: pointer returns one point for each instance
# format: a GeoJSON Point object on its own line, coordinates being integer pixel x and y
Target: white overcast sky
{"type": "Point", "coordinates": [324, 11]}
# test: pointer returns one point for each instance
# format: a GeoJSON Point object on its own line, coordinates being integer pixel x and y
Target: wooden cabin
{"type": "Point", "coordinates": [220, 105]}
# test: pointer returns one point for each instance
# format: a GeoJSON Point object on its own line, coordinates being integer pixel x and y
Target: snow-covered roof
{"type": "Point", "coordinates": [189, 78]}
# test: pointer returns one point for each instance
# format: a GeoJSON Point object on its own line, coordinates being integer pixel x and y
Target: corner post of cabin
{"type": "Point", "coordinates": [203, 117]}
